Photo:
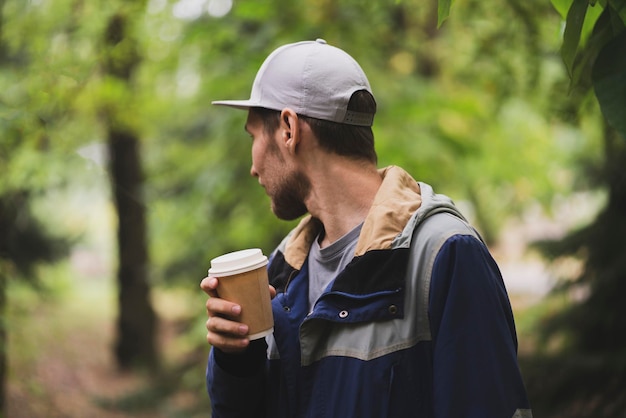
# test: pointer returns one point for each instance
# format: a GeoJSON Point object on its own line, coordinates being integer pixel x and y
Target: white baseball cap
{"type": "Point", "coordinates": [312, 78]}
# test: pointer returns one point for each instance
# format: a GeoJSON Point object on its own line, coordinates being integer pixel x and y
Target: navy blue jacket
{"type": "Point", "coordinates": [417, 325]}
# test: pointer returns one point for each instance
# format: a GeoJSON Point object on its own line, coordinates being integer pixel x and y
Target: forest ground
{"type": "Point", "coordinates": [61, 360]}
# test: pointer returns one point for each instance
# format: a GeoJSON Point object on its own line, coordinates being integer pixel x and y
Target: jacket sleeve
{"type": "Point", "coordinates": [475, 368]}
{"type": "Point", "coordinates": [236, 382]}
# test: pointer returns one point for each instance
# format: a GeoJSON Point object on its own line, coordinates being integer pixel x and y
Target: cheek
{"type": "Point", "coordinates": [264, 154]}
{"type": "Point", "coordinates": [259, 156]}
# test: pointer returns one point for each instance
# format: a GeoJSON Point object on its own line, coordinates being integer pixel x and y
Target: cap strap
{"type": "Point", "coordinates": [358, 118]}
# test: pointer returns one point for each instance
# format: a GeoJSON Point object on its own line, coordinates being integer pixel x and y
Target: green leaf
{"type": "Point", "coordinates": [443, 11]}
{"type": "Point", "coordinates": [609, 82]}
{"type": "Point", "coordinates": [596, 32]}
{"type": "Point", "coordinates": [573, 28]}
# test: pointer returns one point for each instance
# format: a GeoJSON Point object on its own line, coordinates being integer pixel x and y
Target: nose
{"type": "Point", "coordinates": [253, 171]}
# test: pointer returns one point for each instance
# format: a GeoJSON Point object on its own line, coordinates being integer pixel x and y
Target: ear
{"type": "Point", "coordinates": [289, 129]}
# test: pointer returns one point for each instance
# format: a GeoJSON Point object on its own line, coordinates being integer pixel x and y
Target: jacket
{"type": "Point", "coordinates": [418, 324]}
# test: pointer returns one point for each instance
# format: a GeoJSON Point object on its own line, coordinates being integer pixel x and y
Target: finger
{"type": "Point", "coordinates": [227, 335]}
{"type": "Point", "coordinates": [225, 326]}
{"type": "Point", "coordinates": [226, 343]}
{"type": "Point", "coordinates": [209, 286]}
{"type": "Point", "coordinates": [220, 307]}
{"type": "Point", "coordinates": [272, 292]}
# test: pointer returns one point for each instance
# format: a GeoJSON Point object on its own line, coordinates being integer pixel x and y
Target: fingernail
{"type": "Point", "coordinates": [243, 329]}
{"type": "Point", "coordinates": [236, 309]}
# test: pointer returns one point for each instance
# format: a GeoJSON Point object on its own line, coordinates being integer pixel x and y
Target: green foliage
{"type": "Point", "coordinates": [609, 81]}
{"type": "Point", "coordinates": [466, 108]}
{"type": "Point", "coordinates": [593, 50]}
{"type": "Point", "coordinates": [31, 107]}
{"type": "Point", "coordinates": [579, 20]}
{"type": "Point", "coordinates": [443, 11]}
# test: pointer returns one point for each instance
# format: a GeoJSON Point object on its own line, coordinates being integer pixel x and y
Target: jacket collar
{"type": "Point", "coordinates": [397, 199]}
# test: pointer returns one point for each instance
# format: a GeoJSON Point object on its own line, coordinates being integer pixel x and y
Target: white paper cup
{"type": "Point", "coordinates": [243, 280]}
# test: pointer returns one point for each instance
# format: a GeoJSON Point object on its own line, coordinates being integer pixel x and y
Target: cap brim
{"type": "Point", "coordinates": [237, 104]}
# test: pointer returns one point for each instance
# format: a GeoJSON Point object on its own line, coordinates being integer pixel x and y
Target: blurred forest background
{"type": "Point", "coordinates": [119, 182]}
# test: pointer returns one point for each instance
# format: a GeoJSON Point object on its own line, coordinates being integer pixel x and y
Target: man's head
{"type": "Point", "coordinates": [327, 89]}
{"type": "Point", "coordinates": [308, 90]}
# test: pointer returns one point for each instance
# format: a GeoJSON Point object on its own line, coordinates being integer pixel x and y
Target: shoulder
{"type": "Point", "coordinates": [444, 248]}
{"type": "Point", "coordinates": [433, 232]}
{"type": "Point", "coordinates": [444, 225]}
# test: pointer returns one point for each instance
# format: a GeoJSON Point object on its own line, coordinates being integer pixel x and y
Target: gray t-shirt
{"type": "Point", "coordinates": [326, 263]}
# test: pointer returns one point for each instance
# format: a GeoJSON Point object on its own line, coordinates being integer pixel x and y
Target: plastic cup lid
{"type": "Point", "coordinates": [237, 262]}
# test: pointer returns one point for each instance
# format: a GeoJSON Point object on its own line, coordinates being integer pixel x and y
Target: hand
{"type": "Point", "coordinates": [224, 330]}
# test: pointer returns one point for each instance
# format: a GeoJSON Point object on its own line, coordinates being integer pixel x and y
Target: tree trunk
{"type": "Point", "coordinates": [3, 340]}
{"type": "Point", "coordinates": [137, 320]}
{"type": "Point", "coordinates": [136, 344]}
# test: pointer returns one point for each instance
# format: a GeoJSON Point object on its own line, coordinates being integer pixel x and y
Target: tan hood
{"type": "Point", "coordinates": [398, 198]}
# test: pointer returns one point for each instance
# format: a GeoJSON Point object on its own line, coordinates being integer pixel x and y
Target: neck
{"type": "Point", "coordinates": [343, 192]}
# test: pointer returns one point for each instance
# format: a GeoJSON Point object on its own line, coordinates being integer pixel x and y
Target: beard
{"type": "Point", "coordinates": [288, 198]}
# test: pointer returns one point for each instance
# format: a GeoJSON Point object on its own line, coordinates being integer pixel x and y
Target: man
{"type": "Point", "coordinates": [386, 302]}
